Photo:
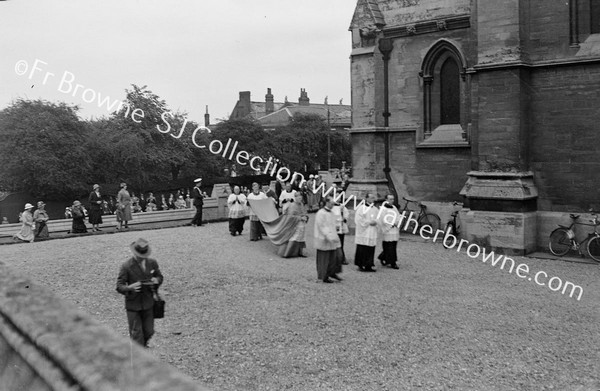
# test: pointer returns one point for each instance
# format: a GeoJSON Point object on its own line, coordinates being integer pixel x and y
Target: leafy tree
{"type": "Point", "coordinates": [250, 137]}
{"type": "Point", "coordinates": [302, 144]}
{"type": "Point", "coordinates": [148, 154]}
{"type": "Point", "coordinates": [43, 149]}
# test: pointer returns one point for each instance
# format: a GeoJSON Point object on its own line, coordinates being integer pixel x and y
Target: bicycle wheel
{"type": "Point", "coordinates": [409, 225]}
{"type": "Point", "coordinates": [450, 230]}
{"type": "Point", "coordinates": [560, 243]}
{"type": "Point", "coordinates": [431, 220]}
{"type": "Point", "coordinates": [593, 247]}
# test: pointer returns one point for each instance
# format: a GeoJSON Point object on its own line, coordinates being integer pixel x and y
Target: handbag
{"type": "Point", "coordinates": [159, 306]}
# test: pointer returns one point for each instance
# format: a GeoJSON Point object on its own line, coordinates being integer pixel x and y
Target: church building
{"type": "Point", "coordinates": [494, 103]}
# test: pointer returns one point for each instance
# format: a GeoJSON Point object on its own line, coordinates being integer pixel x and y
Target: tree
{"type": "Point", "coordinates": [148, 144]}
{"type": "Point", "coordinates": [250, 137]}
{"type": "Point", "coordinates": [43, 149]}
{"type": "Point", "coordinates": [302, 144]}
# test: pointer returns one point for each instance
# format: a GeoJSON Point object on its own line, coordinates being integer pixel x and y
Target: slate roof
{"type": "Point", "coordinates": [340, 115]}
{"type": "Point", "coordinates": [258, 108]}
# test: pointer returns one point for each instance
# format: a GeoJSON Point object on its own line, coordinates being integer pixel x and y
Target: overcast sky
{"type": "Point", "coordinates": [192, 53]}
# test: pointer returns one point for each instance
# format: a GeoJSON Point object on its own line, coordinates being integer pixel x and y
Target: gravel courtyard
{"type": "Point", "coordinates": [241, 318]}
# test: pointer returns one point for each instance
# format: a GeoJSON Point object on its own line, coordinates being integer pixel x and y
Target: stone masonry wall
{"type": "Point", "coordinates": [432, 174]}
{"type": "Point", "coordinates": [565, 152]}
{"type": "Point", "coordinates": [502, 118]}
{"type": "Point", "coordinates": [368, 156]}
{"type": "Point", "coordinates": [549, 30]}
{"type": "Point", "coordinates": [410, 11]}
{"type": "Point", "coordinates": [363, 90]}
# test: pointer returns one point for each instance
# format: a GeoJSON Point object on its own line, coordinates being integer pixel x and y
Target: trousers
{"type": "Point", "coordinates": [197, 220]}
{"type": "Point", "coordinates": [141, 325]}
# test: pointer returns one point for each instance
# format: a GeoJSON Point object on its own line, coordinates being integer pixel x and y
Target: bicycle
{"type": "Point", "coordinates": [424, 218]}
{"type": "Point", "coordinates": [562, 239]}
{"type": "Point", "coordinates": [452, 226]}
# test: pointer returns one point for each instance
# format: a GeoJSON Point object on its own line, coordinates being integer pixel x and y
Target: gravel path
{"type": "Point", "coordinates": [240, 318]}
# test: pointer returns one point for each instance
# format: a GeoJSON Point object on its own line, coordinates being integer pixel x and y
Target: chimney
{"type": "Point", "coordinates": [269, 105]}
{"type": "Point", "coordinates": [206, 117]}
{"type": "Point", "coordinates": [244, 104]}
{"type": "Point", "coordinates": [303, 100]}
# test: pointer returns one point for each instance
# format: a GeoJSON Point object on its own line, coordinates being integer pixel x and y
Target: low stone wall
{"type": "Point", "coordinates": [47, 344]}
{"type": "Point", "coordinates": [214, 209]}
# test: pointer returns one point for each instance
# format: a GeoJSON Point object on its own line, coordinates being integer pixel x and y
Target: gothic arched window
{"type": "Point", "coordinates": [449, 92]}
{"type": "Point", "coordinates": [444, 91]}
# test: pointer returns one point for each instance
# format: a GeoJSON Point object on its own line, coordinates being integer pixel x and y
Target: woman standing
{"type": "Point", "coordinates": [40, 217]}
{"type": "Point", "coordinates": [123, 206]}
{"type": "Point", "coordinates": [95, 200]}
{"type": "Point", "coordinates": [237, 211]}
{"type": "Point", "coordinates": [26, 233]}
{"type": "Point", "coordinates": [78, 218]}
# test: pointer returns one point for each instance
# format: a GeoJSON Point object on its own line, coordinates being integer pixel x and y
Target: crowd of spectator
{"type": "Point", "coordinates": [34, 223]}
{"type": "Point", "coordinates": [125, 203]}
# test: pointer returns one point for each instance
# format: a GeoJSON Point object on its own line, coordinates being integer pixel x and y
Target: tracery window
{"type": "Point", "coordinates": [444, 92]}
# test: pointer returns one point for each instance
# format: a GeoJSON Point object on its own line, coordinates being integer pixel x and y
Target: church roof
{"type": "Point", "coordinates": [367, 13]}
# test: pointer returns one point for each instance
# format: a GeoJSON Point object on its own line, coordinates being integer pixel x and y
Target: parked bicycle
{"type": "Point", "coordinates": [562, 239]}
{"type": "Point", "coordinates": [453, 226]}
{"type": "Point", "coordinates": [423, 218]}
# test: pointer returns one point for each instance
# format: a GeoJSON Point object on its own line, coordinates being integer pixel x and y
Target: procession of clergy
{"type": "Point", "coordinates": [287, 230]}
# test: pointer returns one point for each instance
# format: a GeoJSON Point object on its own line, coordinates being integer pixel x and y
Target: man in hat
{"type": "Point", "coordinates": [198, 202]}
{"type": "Point", "coordinates": [138, 278]}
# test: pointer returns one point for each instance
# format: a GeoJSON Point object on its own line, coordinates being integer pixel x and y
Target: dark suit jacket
{"type": "Point", "coordinates": [198, 197]}
{"type": "Point", "coordinates": [132, 272]}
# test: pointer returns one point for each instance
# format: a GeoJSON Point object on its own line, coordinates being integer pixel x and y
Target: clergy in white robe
{"type": "Point", "coordinates": [366, 234]}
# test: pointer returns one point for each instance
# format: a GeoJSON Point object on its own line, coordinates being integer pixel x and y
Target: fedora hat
{"type": "Point", "coordinates": [28, 206]}
{"type": "Point", "coordinates": [141, 248]}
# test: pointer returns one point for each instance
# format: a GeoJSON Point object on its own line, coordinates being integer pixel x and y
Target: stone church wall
{"type": "Point", "coordinates": [433, 174]}
{"type": "Point", "coordinates": [565, 153]}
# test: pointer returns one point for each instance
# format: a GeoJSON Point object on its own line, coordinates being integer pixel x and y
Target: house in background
{"type": "Point", "coordinates": [494, 102]}
{"type": "Point", "coordinates": [271, 114]}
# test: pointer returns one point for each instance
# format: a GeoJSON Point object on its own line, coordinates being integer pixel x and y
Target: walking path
{"type": "Point", "coordinates": [239, 317]}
